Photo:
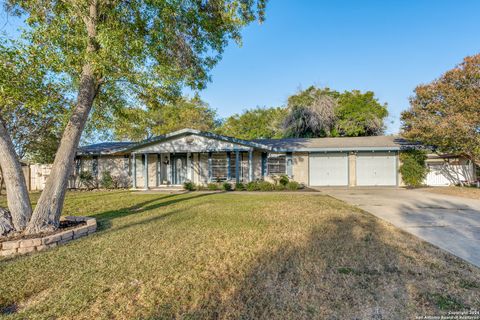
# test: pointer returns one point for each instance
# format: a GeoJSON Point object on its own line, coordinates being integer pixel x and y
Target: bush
{"type": "Point", "coordinates": [265, 186]}
{"type": "Point", "coordinates": [86, 179]}
{"type": "Point", "coordinates": [107, 181]}
{"type": "Point", "coordinates": [212, 186]}
{"type": "Point", "coordinates": [283, 180]}
{"type": "Point", "coordinates": [252, 186]}
{"type": "Point", "coordinates": [227, 186]}
{"type": "Point", "coordinates": [413, 168]}
{"type": "Point", "coordinates": [190, 186]}
{"type": "Point", "coordinates": [293, 185]}
{"type": "Point", "coordinates": [280, 187]}
{"type": "Point", "coordinates": [239, 186]}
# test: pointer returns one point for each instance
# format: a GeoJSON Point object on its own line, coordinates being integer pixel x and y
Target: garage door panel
{"type": "Point", "coordinates": [330, 169]}
{"type": "Point", "coordinates": [376, 169]}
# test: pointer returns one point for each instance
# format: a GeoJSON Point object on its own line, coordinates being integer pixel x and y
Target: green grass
{"type": "Point", "coordinates": [224, 255]}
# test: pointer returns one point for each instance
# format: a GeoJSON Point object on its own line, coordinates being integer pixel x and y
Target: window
{"type": "Point", "coordinates": [276, 164]}
{"type": "Point", "coordinates": [219, 167]}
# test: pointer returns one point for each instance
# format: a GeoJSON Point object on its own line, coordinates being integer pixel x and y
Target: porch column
{"type": "Point", "coordinates": [189, 167]}
{"type": "Point", "coordinates": [289, 164]}
{"type": "Point", "coordinates": [250, 165]}
{"type": "Point", "coordinates": [134, 169]}
{"type": "Point", "coordinates": [157, 170]}
{"type": "Point", "coordinates": [229, 173]}
{"type": "Point", "coordinates": [209, 167]}
{"type": "Point", "coordinates": [145, 171]}
{"type": "Point", "coordinates": [237, 166]}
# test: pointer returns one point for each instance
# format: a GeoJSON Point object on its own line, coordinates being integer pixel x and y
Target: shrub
{"type": "Point", "coordinates": [293, 185]}
{"type": "Point", "coordinates": [283, 180]}
{"type": "Point", "coordinates": [413, 168]}
{"type": "Point", "coordinates": [239, 186]}
{"type": "Point", "coordinates": [227, 186]}
{"type": "Point", "coordinates": [212, 186]}
{"type": "Point", "coordinates": [86, 179]}
{"type": "Point", "coordinates": [265, 186]}
{"type": "Point", "coordinates": [107, 181]}
{"type": "Point", "coordinates": [252, 186]}
{"type": "Point", "coordinates": [280, 187]}
{"type": "Point", "coordinates": [190, 186]}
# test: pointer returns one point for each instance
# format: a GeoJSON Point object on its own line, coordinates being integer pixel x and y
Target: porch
{"type": "Point", "coordinates": [151, 170]}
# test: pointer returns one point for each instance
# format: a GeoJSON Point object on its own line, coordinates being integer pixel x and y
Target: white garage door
{"type": "Point", "coordinates": [376, 169]}
{"type": "Point", "coordinates": [328, 169]}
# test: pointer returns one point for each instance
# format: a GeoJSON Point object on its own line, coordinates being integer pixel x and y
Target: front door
{"type": "Point", "coordinates": [179, 168]}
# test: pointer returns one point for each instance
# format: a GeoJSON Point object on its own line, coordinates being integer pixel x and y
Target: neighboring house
{"type": "Point", "coordinates": [203, 157]}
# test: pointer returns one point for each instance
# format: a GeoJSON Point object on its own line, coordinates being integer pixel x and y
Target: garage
{"type": "Point", "coordinates": [328, 169]}
{"type": "Point", "coordinates": [376, 169]}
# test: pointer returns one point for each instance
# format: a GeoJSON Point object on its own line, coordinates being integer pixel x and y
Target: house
{"type": "Point", "coordinates": [203, 157]}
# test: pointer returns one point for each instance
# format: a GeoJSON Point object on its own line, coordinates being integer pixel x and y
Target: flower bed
{"type": "Point", "coordinates": [23, 246]}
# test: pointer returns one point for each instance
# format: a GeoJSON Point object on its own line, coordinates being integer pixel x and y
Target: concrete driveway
{"type": "Point", "coordinates": [449, 222]}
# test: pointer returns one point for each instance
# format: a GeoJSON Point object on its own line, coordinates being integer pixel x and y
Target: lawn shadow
{"type": "Point", "coordinates": [347, 269]}
{"type": "Point", "coordinates": [104, 219]}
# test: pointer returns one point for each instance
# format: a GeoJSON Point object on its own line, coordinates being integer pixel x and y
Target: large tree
{"type": "Point", "coordinates": [255, 123]}
{"type": "Point", "coordinates": [446, 112]}
{"type": "Point", "coordinates": [126, 48]}
{"type": "Point", "coordinates": [137, 124]}
{"type": "Point", "coordinates": [322, 112]}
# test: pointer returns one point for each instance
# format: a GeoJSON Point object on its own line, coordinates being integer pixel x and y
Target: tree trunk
{"type": "Point", "coordinates": [1, 181]}
{"type": "Point", "coordinates": [16, 186]}
{"type": "Point", "coordinates": [47, 213]}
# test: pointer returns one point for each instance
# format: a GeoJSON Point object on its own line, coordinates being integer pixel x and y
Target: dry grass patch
{"type": "Point", "coordinates": [465, 192]}
{"type": "Point", "coordinates": [233, 256]}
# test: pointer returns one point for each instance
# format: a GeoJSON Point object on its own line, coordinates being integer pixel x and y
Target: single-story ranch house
{"type": "Point", "coordinates": [203, 157]}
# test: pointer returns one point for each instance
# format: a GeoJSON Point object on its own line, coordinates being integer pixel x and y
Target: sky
{"type": "Point", "coordinates": [388, 47]}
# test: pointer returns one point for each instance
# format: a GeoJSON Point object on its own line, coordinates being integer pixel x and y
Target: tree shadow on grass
{"type": "Point", "coordinates": [104, 219]}
{"type": "Point", "coordinates": [350, 267]}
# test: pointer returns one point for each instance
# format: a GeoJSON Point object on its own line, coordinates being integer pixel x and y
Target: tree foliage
{"type": "Point", "coordinates": [413, 167]}
{"type": "Point", "coordinates": [446, 112]}
{"type": "Point", "coordinates": [255, 124]}
{"type": "Point", "coordinates": [137, 124]}
{"type": "Point", "coordinates": [109, 55]}
{"type": "Point", "coordinates": [322, 112]}
{"type": "Point", "coordinates": [33, 105]}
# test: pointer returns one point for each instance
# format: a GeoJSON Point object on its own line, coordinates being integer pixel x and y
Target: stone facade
{"type": "Point", "coordinates": [23, 246]}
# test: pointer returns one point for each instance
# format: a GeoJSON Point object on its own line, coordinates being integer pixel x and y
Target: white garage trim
{"type": "Point", "coordinates": [328, 169]}
{"type": "Point", "coordinates": [377, 169]}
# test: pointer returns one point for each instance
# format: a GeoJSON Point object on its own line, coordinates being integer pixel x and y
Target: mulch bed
{"type": "Point", "coordinates": [64, 226]}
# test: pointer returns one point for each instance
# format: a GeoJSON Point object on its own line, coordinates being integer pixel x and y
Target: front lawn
{"type": "Point", "coordinates": [221, 255]}
{"type": "Point", "coordinates": [465, 192]}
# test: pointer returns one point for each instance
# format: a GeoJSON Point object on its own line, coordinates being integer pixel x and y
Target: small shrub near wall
{"type": "Point", "coordinates": [189, 186]}
{"type": "Point", "coordinates": [413, 168]}
{"type": "Point", "coordinates": [227, 186]}
{"type": "Point", "coordinates": [213, 186]}
{"type": "Point", "coordinates": [107, 181]}
{"type": "Point", "coordinates": [87, 180]}
{"type": "Point", "coordinates": [239, 186]}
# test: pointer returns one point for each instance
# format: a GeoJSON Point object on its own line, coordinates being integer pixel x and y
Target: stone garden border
{"type": "Point", "coordinates": [23, 246]}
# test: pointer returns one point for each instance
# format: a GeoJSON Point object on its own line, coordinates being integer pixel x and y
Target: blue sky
{"type": "Point", "coordinates": [387, 47]}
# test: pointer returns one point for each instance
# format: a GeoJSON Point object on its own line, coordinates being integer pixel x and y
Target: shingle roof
{"type": "Point", "coordinates": [103, 148]}
{"type": "Point", "coordinates": [340, 143]}
{"type": "Point", "coordinates": [281, 145]}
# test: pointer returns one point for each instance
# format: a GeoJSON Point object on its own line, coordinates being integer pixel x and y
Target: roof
{"type": "Point", "coordinates": [103, 148]}
{"type": "Point", "coordinates": [336, 144]}
{"type": "Point", "coordinates": [373, 143]}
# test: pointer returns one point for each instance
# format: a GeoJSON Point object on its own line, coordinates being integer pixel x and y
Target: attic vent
{"type": "Point", "coordinates": [189, 140]}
